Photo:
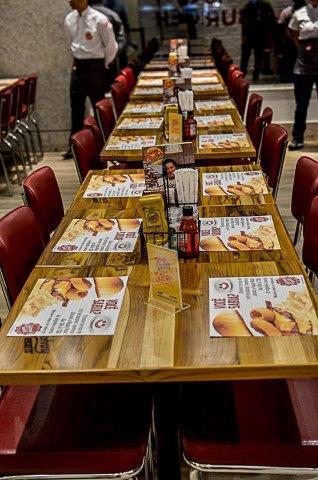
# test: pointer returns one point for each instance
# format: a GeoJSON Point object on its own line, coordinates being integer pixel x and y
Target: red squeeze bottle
{"type": "Point", "coordinates": [189, 235]}
{"type": "Point", "coordinates": [190, 128]}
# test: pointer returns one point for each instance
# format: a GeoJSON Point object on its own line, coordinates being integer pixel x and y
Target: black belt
{"type": "Point", "coordinates": [89, 61]}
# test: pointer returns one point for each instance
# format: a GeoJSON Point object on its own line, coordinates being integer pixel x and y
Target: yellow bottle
{"type": "Point", "coordinates": [155, 225]}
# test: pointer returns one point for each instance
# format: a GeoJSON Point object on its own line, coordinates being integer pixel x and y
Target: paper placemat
{"type": "Point", "coordinates": [155, 74]}
{"type": "Point", "coordinates": [133, 142]}
{"type": "Point", "coordinates": [261, 306]}
{"type": "Point", "coordinates": [211, 87]}
{"type": "Point", "coordinates": [146, 107]}
{"type": "Point", "coordinates": [148, 91]}
{"type": "Point", "coordinates": [203, 105]}
{"type": "Point", "coordinates": [140, 123]}
{"type": "Point", "coordinates": [107, 186]}
{"type": "Point", "coordinates": [234, 183]}
{"type": "Point", "coordinates": [150, 82]}
{"type": "Point", "coordinates": [102, 235]}
{"type": "Point", "coordinates": [223, 141]}
{"type": "Point", "coordinates": [214, 120]}
{"type": "Point", "coordinates": [61, 307]}
{"type": "Point", "coordinates": [213, 79]}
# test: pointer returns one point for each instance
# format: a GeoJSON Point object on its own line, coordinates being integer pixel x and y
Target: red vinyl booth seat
{"type": "Point", "coordinates": [74, 429]}
{"type": "Point", "coordinates": [86, 153]}
{"type": "Point", "coordinates": [120, 94]}
{"type": "Point", "coordinates": [305, 187]}
{"type": "Point", "coordinates": [106, 118]}
{"type": "Point", "coordinates": [260, 123]}
{"type": "Point", "coordinates": [91, 124]}
{"type": "Point", "coordinates": [245, 423]}
{"type": "Point", "coordinates": [253, 111]}
{"type": "Point", "coordinates": [130, 77]}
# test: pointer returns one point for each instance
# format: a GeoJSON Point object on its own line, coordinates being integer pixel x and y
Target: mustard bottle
{"type": "Point", "coordinates": [155, 225]}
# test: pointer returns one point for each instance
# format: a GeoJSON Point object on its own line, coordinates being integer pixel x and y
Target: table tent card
{"type": "Point", "coordinates": [71, 306]}
{"type": "Point", "coordinates": [121, 185]}
{"type": "Point", "coordinates": [102, 235]}
{"type": "Point", "coordinates": [144, 107]}
{"type": "Point", "coordinates": [140, 123]}
{"type": "Point", "coordinates": [206, 121]}
{"type": "Point", "coordinates": [164, 160]}
{"type": "Point", "coordinates": [231, 234]}
{"type": "Point", "coordinates": [208, 105]}
{"type": "Point", "coordinates": [261, 306]}
{"type": "Point", "coordinates": [251, 182]}
{"type": "Point", "coordinates": [130, 142]}
{"type": "Point", "coordinates": [223, 141]}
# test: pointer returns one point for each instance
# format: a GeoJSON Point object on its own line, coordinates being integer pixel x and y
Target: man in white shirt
{"type": "Point", "coordinates": [94, 47]}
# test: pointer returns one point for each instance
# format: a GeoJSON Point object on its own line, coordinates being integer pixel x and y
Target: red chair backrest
{"type": "Point", "coordinates": [253, 111]}
{"type": "Point", "coordinates": [239, 93]}
{"type": "Point", "coordinates": [86, 153]}
{"type": "Point", "coordinates": [21, 93]}
{"type": "Point", "coordinates": [130, 77]}
{"type": "Point", "coordinates": [310, 245]}
{"type": "Point", "coordinates": [44, 198]}
{"type": "Point", "coordinates": [305, 187]}
{"type": "Point", "coordinates": [231, 69]}
{"type": "Point", "coordinates": [259, 125]}
{"type": "Point", "coordinates": [106, 118]}
{"type": "Point", "coordinates": [5, 112]}
{"type": "Point", "coordinates": [91, 124]}
{"type": "Point", "coordinates": [272, 154]}
{"type": "Point", "coordinates": [120, 94]}
{"type": "Point", "coordinates": [21, 244]}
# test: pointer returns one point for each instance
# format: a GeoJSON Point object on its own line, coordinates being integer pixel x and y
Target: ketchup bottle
{"type": "Point", "coordinates": [190, 128]}
{"type": "Point", "coordinates": [189, 235]}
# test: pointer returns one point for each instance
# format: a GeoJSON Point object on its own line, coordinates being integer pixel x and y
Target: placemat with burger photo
{"type": "Point", "coordinates": [261, 306]}
{"type": "Point", "coordinates": [250, 182]}
{"type": "Point", "coordinates": [150, 123]}
{"type": "Point", "coordinates": [71, 306]}
{"type": "Point", "coordinates": [121, 185]}
{"type": "Point", "coordinates": [230, 234]}
{"type": "Point", "coordinates": [211, 105]}
{"type": "Point", "coordinates": [150, 82]}
{"type": "Point", "coordinates": [130, 142]}
{"type": "Point", "coordinates": [99, 235]}
{"type": "Point", "coordinates": [229, 141]}
{"type": "Point", "coordinates": [210, 121]}
{"type": "Point", "coordinates": [201, 80]}
{"type": "Point", "coordinates": [144, 107]}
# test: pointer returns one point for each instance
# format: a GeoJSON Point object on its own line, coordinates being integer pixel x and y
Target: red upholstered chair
{"type": "Point", "coordinates": [239, 93]}
{"type": "Point", "coordinates": [257, 132]}
{"type": "Point", "coordinates": [253, 111]}
{"type": "Point", "coordinates": [249, 426]}
{"type": "Point", "coordinates": [43, 196]}
{"type": "Point", "coordinates": [231, 69]}
{"type": "Point", "coordinates": [120, 93]}
{"type": "Point", "coordinates": [130, 77]}
{"type": "Point", "coordinates": [305, 188]}
{"type": "Point", "coordinates": [21, 244]}
{"type": "Point", "coordinates": [233, 78]}
{"type": "Point", "coordinates": [272, 154]}
{"type": "Point", "coordinates": [91, 124]}
{"type": "Point", "coordinates": [85, 153]}
{"type": "Point", "coordinates": [105, 117]}
{"type": "Point", "coordinates": [78, 430]}
{"type": "Point", "coordinates": [310, 245]}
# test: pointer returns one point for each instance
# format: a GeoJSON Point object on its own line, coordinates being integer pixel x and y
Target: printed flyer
{"type": "Point", "coordinates": [150, 82]}
{"type": "Point", "coordinates": [59, 307]}
{"type": "Point", "coordinates": [213, 79]}
{"type": "Point", "coordinates": [107, 186]}
{"type": "Point", "coordinates": [144, 107]}
{"type": "Point", "coordinates": [231, 234]}
{"type": "Point", "coordinates": [140, 123]}
{"type": "Point", "coordinates": [102, 235]}
{"type": "Point", "coordinates": [154, 74]}
{"type": "Point", "coordinates": [209, 121]}
{"type": "Point", "coordinates": [261, 306]}
{"type": "Point", "coordinates": [204, 72]}
{"type": "Point", "coordinates": [148, 91]}
{"type": "Point", "coordinates": [132, 142]}
{"type": "Point", "coordinates": [251, 182]}
{"type": "Point", "coordinates": [211, 87]}
{"type": "Point", "coordinates": [208, 105]}
{"type": "Point", "coordinates": [223, 141]}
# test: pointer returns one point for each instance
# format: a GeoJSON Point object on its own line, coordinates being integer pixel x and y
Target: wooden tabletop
{"type": "Point", "coordinates": [152, 346]}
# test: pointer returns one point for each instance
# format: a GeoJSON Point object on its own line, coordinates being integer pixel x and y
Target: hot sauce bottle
{"type": "Point", "coordinates": [189, 234]}
{"type": "Point", "coordinates": [190, 128]}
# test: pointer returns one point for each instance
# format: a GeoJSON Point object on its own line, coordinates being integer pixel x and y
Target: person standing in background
{"type": "Point", "coordinates": [115, 20]}
{"type": "Point", "coordinates": [258, 22]}
{"type": "Point", "coordinates": [94, 47]}
{"type": "Point", "coordinates": [118, 7]}
{"type": "Point", "coordinates": [304, 28]}
{"type": "Point", "coordinates": [286, 49]}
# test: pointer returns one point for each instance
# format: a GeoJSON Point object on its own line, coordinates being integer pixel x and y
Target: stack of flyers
{"type": "Point", "coordinates": [140, 123]}
{"type": "Point", "coordinates": [211, 87]}
{"type": "Point", "coordinates": [207, 121]}
{"type": "Point", "coordinates": [150, 82]}
{"type": "Point", "coordinates": [261, 306]}
{"type": "Point", "coordinates": [234, 183]}
{"type": "Point", "coordinates": [108, 186]}
{"type": "Point", "coordinates": [148, 91]}
{"type": "Point", "coordinates": [229, 141]}
{"type": "Point", "coordinates": [206, 105]}
{"type": "Point", "coordinates": [231, 234]}
{"type": "Point", "coordinates": [144, 107]}
{"type": "Point", "coordinates": [71, 306]}
{"type": "Point", "coordinates": [102, 235]}
{"type": "Point", "coordinates": [130, 142]}
{"type": "Point", "coordinates": [205, 80]}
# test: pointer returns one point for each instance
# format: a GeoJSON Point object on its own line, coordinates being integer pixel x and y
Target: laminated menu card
{"type": "Point", "coordinates": [204, 105]}
{"type": "Point", "coordinates": [120, 185]}
{"type": "Point", "coordinates": [226, 141]}
{"type": "Point", "coordinates": [144, 107]}
{"type": "Point", "coordinates": [210, 87]}
{"type": "Point", "coordinates": [67, 306]}
{"type": "Point", "coordinates": [204, 121]}
{"type": "Point", "coordinates": [205, 80]}
{"type": "Point", "coordinates": [102, 235]}
{"type": "Point", "coordinates": [140, 123]}
{"type": "Point", "coordinates": [150, 82]}
{"type": "Point", "coordinates": [234, 183]}
{"type": "Point", "coordinates": [231, 234]}
{"type": "Point", "coordinates": [261, 306]}
{"type": "Point", "coordinates": [148, 91]}
{"type": "Point", "coordinates": [130, 142]}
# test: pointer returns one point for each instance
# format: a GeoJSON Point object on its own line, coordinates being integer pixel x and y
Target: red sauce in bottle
{"type": "Point", "coordinates": [188, 244]}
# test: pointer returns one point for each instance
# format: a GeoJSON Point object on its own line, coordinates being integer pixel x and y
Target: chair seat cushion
{"type": "Point", "coordinates": [83, 429]}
